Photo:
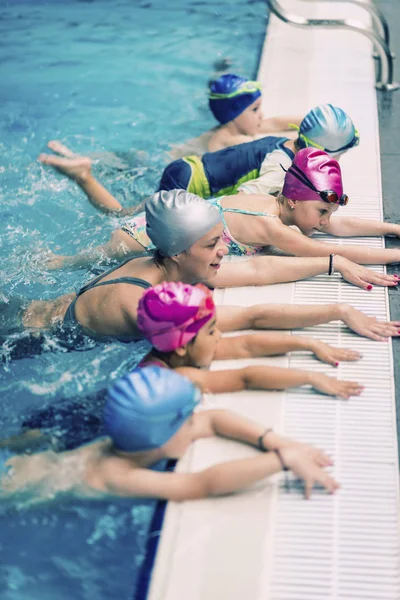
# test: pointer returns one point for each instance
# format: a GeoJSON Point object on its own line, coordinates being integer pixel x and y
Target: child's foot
{"type": "Point", "coordinates": [77, 168]}
{"type": "Point", "coordinates": [54, 262]}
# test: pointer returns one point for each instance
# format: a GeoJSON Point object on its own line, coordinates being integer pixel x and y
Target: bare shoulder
{"type": "Point", "coordinates": [105, 471]}
{"type": "Point", "coordinates": [217, 140]}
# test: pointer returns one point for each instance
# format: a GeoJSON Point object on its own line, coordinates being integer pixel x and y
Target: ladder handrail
{"type": "Point", "coordinates": [385, 77]}
{"type": "Point", "coordinates": [377, 16]}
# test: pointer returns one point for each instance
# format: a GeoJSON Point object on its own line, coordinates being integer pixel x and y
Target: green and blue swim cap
{"type": "Point", "coordinates": [230, 95]}
{"type": "Point", "coordinates": [327, 128]}
{"type": "Point", "coordinates": [145, 408]}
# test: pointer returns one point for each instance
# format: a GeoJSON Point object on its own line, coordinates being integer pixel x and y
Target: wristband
{"type": "Point", "coordinates": [260, 441]}
{"type": "Point", "coordinates": [331, 265]}
{"type": "Point", "coordinates": [279, 455]}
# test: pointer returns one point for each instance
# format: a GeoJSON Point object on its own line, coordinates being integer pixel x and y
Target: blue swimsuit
{"type": "Point", "coordinates": [221, 173]}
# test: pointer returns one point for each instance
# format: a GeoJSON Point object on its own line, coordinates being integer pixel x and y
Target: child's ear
{"type": "Point", "coordinates": [182, 351]}
{"type": "Point", "coordinates": [291, 203]}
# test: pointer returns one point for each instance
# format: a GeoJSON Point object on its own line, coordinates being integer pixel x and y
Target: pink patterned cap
{"type": "Point", "coordinates": [320, 169]}
{"type": "Point", "coordinates": [172, 313]}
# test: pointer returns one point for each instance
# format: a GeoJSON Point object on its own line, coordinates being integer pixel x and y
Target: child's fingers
{"type": "Point", "coordinates": [330, 484]}
{"type": "Point", "coordinates": [345, 354]}
{"type": "Point", "coordinates": [349, 388]}
{"type": "Point", "coordinates": [339, 354]}
{"type": "Point", "coordinates": [308, 486]}
{"type": "Point", "coordinates": [322, 459]}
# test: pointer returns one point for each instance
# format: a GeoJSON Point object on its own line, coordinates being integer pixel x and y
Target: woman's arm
{"type": "Point", "coordinates": [293, 242]}
{"type": "Point", "coordinates": [268, 378]}
{"type": "Point", "coordinates": [220, 479]}
{"type": "Point", "coordinates": [265, 270]}
{"type": "Point", "coordinates": [271, 344]}
{"type": "Point", "coordinates": [354, 227]}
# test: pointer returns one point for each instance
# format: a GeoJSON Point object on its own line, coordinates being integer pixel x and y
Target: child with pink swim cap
{"type": "Point", "coordinates": [179, 320]}
{"type": "Point", "coordinates": [254, 222]}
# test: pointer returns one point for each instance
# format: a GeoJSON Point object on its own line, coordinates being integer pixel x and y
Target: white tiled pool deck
{"type": "Point", "coordinates": [268, 543]}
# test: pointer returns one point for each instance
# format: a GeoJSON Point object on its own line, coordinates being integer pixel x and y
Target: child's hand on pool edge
{"type": "Point", "coordinates": [308, 469]}
{"type": "Point", "coordinates": [335, 387]}
{"type": "Point", "coordinates": [331, 355]}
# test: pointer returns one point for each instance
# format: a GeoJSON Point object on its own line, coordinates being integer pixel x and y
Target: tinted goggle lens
{"type": "Point", "coordinates": [333, 198]}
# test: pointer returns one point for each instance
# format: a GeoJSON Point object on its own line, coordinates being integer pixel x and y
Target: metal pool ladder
{"type": "Point", "coordinates": [378, 34]}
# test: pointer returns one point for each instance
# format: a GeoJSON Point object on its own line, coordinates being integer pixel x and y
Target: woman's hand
{"type": "Point", "coordinates": [330, 354]}
{"type": "Point", "coordinates": [361, 276]}
{"type": "Point", "coordinates": [335, 387]}
{"type": "Point", "coordinates": [393, 230]}
{"type": "Point", "coordinates": [368, 327]}
{"type": "Point", "coordinates": [307, 468]}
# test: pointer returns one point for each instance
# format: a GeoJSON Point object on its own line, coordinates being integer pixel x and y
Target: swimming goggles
{"type": "Point", "coordinates": [248, 87]}
{"type": "Point", "coordinates": [326, 195]}
{"type": "Point", "coordinates": [354, 142]}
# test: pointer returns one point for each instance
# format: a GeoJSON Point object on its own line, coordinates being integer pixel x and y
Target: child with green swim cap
{"type": "Point", "coordinates": [150, 416]}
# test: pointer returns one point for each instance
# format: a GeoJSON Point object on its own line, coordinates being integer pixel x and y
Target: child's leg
{"type": "Point", "coordinates": [121, 245]}
{"type": "Point", "coordinates": [78, 168]}
{"type": "Point", "coordinates": [27, 440]}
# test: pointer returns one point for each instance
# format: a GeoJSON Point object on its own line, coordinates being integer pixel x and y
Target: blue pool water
{"type": "Point", "coordinates": [127, 78]}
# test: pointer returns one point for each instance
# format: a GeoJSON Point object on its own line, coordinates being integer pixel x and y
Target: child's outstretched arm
{"type": "Point", "coordinates": [220, 479]}
{"type": "Point", "coordinates": [268, 378]}
{"type": "Point", "coordinates": [229, 424]}
{"type": "Point", "coordinates": [275, 124]}
{"type": "Point", "coordinates": [293, 242]}
{"type": "Point", "coordinates": [272, 344]}
{"type": "Point", "coordinates": [294, 316]}
{"type": "Point", "coordinates": [354, 227]}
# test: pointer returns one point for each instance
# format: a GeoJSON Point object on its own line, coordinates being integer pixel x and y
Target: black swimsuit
{"type": "Point", "coordinates": [71, 323]}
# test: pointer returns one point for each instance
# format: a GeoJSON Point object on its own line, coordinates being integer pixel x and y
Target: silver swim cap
{"type": "Point", "coordinates": [177, 219]}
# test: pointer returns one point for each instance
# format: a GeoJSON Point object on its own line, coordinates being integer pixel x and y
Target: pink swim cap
{"type": "Point", "coordinates": [322, 171]}
{"type": "Point", "coordinates": [171, 314]}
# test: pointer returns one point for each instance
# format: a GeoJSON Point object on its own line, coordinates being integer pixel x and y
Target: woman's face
{"type": "Point", "coordinates": [202, 350]}
{"type": "Point", "coordinates": [312, 215]}
{"type": "Point", "coordinates": [249, 121]}
{"type": "Point", "coordinates": [201, 262]}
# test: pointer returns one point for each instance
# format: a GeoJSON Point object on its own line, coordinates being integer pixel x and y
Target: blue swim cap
{"type": "Point", "coordinates": [328, 128]}
{"type": "Point", "coordinates": [230, 95]}
{"type": "Point", "coordinates": [145, 408]}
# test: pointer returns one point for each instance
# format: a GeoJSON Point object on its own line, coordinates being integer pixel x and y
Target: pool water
{"type": "Point", "coordinates": [123, 81]}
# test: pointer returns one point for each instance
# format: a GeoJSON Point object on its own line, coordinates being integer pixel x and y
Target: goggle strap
{"type": "Point", "coordinates": [309, 142]}
{"type": "Point", "coordinates": [298, 173]}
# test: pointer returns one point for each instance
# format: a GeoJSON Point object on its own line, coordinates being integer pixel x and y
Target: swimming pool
{"type": "Point", "coordinates": [127, 78]}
